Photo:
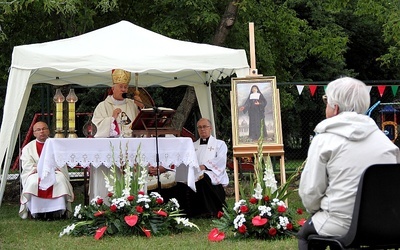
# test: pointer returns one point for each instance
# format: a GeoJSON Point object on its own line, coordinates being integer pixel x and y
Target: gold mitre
{"type": "Point", "coordinates": [120, 76]}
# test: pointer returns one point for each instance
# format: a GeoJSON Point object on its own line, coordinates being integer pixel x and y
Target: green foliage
{"type": "Point", "coordinates": [290, 35]}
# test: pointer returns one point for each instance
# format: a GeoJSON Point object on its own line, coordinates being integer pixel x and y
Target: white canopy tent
{"type": "Point", "coordinates": [88, 59]}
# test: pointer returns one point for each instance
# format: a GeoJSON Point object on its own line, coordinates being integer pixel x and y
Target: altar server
{"type": "Point", "coordinates": [211, 155]}
{"type": "Point", "coordinates": [54, 201]}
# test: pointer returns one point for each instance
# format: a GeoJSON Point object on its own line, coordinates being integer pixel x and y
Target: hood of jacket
{"type": "Point", "coordinates": [350, 125]}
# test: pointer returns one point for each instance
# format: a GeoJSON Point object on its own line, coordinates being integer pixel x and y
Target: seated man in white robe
{"type": "Point", "coordinates": [56, 200]}
{"type": "Point", "coordinates": [211, 155]}
{"type": "Point", "coordinates": [210, 196]}
{"type": "Point", "coordinates": [113, 118]}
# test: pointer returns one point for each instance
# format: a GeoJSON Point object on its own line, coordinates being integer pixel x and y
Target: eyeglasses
{"type": "Point", "coordinates": [203, 127]}
{"type": "Point", "coordinates": [40, 129]}
{"type": "Point", "coordinates": [325, 99]}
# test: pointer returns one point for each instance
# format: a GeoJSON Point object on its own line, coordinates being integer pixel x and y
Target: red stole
{"type": "Point", "coordinates": [116, 127]}
{"type": "Point", "coordinates": [48, 193]}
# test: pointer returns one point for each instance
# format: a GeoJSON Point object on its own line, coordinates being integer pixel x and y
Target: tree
{"type": "Point", "coordinates": [296, 40]}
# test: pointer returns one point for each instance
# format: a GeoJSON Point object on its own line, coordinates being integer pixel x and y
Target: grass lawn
{"type": "Point", "coordinates": [16, 233]}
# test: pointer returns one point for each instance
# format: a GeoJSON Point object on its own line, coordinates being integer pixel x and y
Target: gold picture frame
{"type": "Point", "coordinates": [250, 107]}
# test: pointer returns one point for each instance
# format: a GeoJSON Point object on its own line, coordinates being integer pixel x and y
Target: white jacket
{"type": "Point", "coordinates": [344, 146]}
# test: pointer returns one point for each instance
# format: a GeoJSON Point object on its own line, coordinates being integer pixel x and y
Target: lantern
{"type": "Point", "coordinates": [59, 99]}
{"type": "Point", "coordinates": [71, 99]}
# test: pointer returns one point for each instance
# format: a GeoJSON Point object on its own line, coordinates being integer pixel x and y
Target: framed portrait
{"type": "Point", "coordinates": [255, 111]}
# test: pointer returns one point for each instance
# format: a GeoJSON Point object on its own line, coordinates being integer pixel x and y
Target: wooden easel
{"type": "Point", "coordinates": [251, 149]}
{"type": "Point", "coordinates": [275, 150]}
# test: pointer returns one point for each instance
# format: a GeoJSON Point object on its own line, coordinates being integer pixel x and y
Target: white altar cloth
{"type": "Point", "coordinates": [95, 152]}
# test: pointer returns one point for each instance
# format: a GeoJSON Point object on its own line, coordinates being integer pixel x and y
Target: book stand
{"type": "Point", "coordinates": [154, 122]}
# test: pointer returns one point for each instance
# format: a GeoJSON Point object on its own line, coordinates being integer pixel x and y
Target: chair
{"type": "Point", "coordinates": [81, 174]}
{"type": "Point", "coordinates": [376, 214]}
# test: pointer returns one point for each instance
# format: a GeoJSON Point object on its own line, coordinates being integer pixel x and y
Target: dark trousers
{"type": "Point", "coordinates": [205, 202]}
{"type": "Point", "coordinates": [306, 230]}
{"type": "Point", "coordinates": [209, 199]}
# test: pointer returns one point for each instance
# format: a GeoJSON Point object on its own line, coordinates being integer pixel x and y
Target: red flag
{"type": "Point", "coordinates": [313, 88]}
{"type": "Point", "coordinates": [381, 89]}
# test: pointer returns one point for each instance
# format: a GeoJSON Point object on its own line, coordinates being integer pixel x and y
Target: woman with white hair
{"type": "Point", "coordinates": [346, 143]}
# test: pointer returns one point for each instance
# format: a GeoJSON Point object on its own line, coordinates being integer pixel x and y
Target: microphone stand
{"type": "Point", "coordinates": [156, 112]}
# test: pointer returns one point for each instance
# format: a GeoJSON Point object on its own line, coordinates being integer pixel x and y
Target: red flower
{"type": "Point", "coordinates": [161, 213]}
{"type": "Point", "coordinates": [266, 198]}
{"type": "Point", "coordinates": [220, 214]}
{"type": "Point", "coordinates": [99, 201]}
{"type": "Point", "coordinates": [113, 208]}
{"type": "Point", "coordinates": [215, 235]}
{"type": "Point", "coordinates": [301, 221]}
{"type": "Point", "coordinates": [272, 231]}
{"type": "Point", "coordinates": [100, 232]}
{"type": "Point", "coordinates": [258, 221]}
{"type": "Point", "coordinates": [253, 200]}
{"type": "Point", "coordinates": [299, 211]}
{"type": "Point", "coordinates": [139, 209]}
{"type": "Point", "coordinates": [141, 192]}
{"type": "Point", "coordinates": [289, 226]}
{"type": "Point", "coordinates": [242, 229]}
{"type": "Point", "coordinates": [131, 220]}
{"type": "Point", "coordinates": [110, 194]}
{"type": "Point", "coordinates": [244, 209]}
{"type": "Point", "coordinates": [281, 209]}
{"type": "Point", "coordinates": [159, 200]}
{"type": "Point", "coordinates": [130, 198]}
{"type": "Point", "coordinates": [146, 232]}
{"type": "Point", "coordinates": [99, 213]}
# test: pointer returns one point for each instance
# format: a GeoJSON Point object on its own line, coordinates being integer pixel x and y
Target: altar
{"type": "Point", "coordinates": [98, 153]}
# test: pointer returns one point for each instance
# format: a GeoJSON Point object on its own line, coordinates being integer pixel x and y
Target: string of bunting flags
{"type": "Point", "coordinates": [381, 88]}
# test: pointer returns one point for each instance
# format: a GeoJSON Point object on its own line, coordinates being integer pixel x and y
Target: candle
{"type": "Point", "coordinates": [59, 116]}
{"type": "Point", "coordinates": [71, 99]}
{"type": "Point", "coordinates": [71, 116]}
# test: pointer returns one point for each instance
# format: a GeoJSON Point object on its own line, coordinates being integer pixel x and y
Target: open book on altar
{"type": "Point", "coordinates": [146, 119]}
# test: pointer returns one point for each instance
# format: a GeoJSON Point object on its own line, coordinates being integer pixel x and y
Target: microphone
{"type": "Point", "coordinates": [126, 95]}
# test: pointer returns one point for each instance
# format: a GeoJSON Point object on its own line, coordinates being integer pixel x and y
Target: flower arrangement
{"type": "Point", "coordinates": [127, 210]}
{"type": "Point", "coordinates": [265, 215]}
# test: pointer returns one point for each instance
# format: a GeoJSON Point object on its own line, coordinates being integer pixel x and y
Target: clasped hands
{"type": "Point", "coordinates": [153, 170]}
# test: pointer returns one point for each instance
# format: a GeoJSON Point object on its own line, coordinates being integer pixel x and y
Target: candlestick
{"type": "Point", "coordinates": [59, 99]}
{"type": "Point", "coordinates": [89, 129]}
{"type": "Point", "coordinates": [71, 99]}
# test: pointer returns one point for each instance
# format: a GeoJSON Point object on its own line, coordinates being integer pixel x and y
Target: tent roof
{"type": "Point", "coordinates": [158, 59]}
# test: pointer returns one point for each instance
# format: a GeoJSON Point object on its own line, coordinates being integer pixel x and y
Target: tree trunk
{"type": "Point", "coordinates": [226, 23]}
{"type": "Point", "coordinates": [184, 109]}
